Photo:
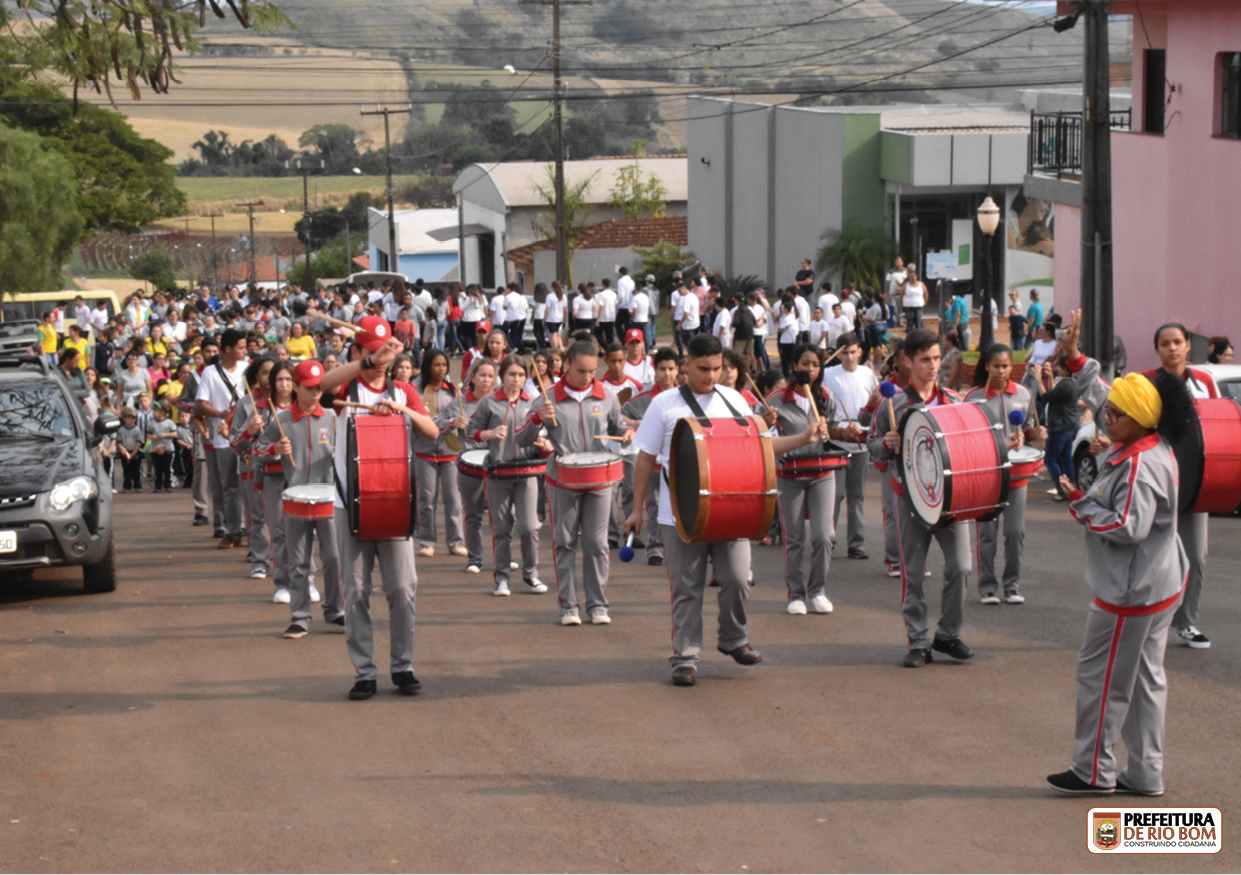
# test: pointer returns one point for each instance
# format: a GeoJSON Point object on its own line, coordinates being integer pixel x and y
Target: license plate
{"type": "Point", "coordinates": [8, 542]}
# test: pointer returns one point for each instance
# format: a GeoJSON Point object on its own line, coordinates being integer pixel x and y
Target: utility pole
{"type": "Point", "coordinates": [562, 257]}
{"type": "Point", "coordinates": [254, 262]}
{"type": "Point", "coordinates": [394, 261]}
{"type": "Point", "coordinates": [215, 279]}
{"type": "Point", "coordinates": [1096, 262]}
{"type": "Point", "coordinates": [303, 166]}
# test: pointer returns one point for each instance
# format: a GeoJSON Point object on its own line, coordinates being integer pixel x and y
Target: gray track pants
{"type": "Point", "coordinates": [622, 501]}
{"type": "Point", "coordinates": [654, 531]}
{"type": "Point", "coordinates": [399, 581]}
{"type": "Point", "coordinates": [580, 518]}
{"type": "Point", "coordinates": [914, 541]}
{"type": "Point", "coordinates": [301, 534]}
{"type": "Point", "coordinates": [687, 578]}
{"type": "Point", "coordinates": [200, 491]}
{"type": "Point", "coordinates": [435, 478]}
{"type": "Point", "coordinates": [1014, 517]}
{"type": "Point", "coordinates": [514, 513]}
{"type": "Point", "coordinates": [225, 491]}
{"type": "Point", "coordinates": [273, 510]}
{"type": "Point", "coordinates": [796, 494]}
{"type": "Point", "coordinates": [474, 507]}
{"type": "Point", "coordinates": [1121, 693]}
{"type": "Point", "coordinates": [260, 533]}
{"type": "Point", "coordinates": [851, 486]}
{"type": "Point", "coordinates": [1192, 527]}
{"type": "Point", "coordinates": [891, 538]}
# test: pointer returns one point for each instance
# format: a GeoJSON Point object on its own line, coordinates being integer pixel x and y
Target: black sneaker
{"type": "Point", "coordinates": [1124, 789]}
{"type": "Point", "coordinates": [295, 631]}
{"type": "Point", "coordinates": [336, 621]}
{"type": "Point", "coordinates": [858, 554]}
{"type": "Point", "coordinates": [918, 657]}
{"type": "Point", "coordinates": [406, 683]}
{"type": "Point", "coordinates": [363, 690]}
{"type": "Point", "coordinates": [1068, 782]}
{"type": "Point", "coordinates": [654, 560]}
{"type": "Point", "coordinates": [217, 534]}
{"type": "Point", "coordinates": [201, 521]}
{"type": "Point", "coordinates": [954, 647]}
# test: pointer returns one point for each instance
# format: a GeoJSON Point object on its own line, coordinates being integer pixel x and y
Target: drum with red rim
{"type": "Point", "coordinates": [1209, 458]}
{"type": "Point", "coordinates": [516, 470]}
{"type": "Point", "coordinates": [310, 502]}
{"type": "Point", "coordinates": [379, 460]}
{"type": "Point", "coordinates": [473, 463]}
{"type": "Point", "coordinates": [814, 466]}
{"type": "Point", "coordinates": [588, 471]}
{"type": "Point", "coordinates": [954, 463]}
{"type": "Point", "coordinates": [1024, 463]}
{"type": "Point", "coordinates": [722, 480]}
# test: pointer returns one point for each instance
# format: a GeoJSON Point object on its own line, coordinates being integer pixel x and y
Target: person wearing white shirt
{"type": "Point", "coordinates": [851, 385]}
{"type": "Point", "coordinates": [605, 311]}
{"type": "Point", "coordinates": [219, 388]}
{"type": "Point", "coordinates": [584, 310]}
{"type": "Point", "coordinates": [763, 314]}
{"type": "Point", "coordinates": [818, 329]}
{"type": "Point", "coordinates": [913, 299]}
{"type": "Point", "coordinates": [637, 363]}
{"type": "Point", "coordinates": [640, 312]}
{"type": "Point", "coordinates": [497, 307]}
{"type": "Point", "coordinates": [515, 311]}
{"type": "Point", "coordinates": [848, 309]}
{"type": "Point", "coordinates": [555, 316]}
{"type": "Point", "coordinates": [837, 326]}
{"type": "Point", "coordinates": [674, 301]}
{"type": "Point", "coordinates": [687, 563]}
{"type": "Point", "coordinates": [722, 326]}
{"type": "Point", "coordinates": [687, 316]}
{"type": "Point", "coordinates": [786, 325]}
{"type": "Point", "coordinates": [803, 318]}
{"type": "Point", "coordinates": [99, 317]}
{"type": "Point", "coordinates": [174, 328]}
{"type": "Point", "coordinates": [624, 300]}
{"type": "Point", "coordinates": [894, 280]}
{"type": "Point", "coordinates": [827, 299]}
{"type": "Point", "coordinates": [392, 307]}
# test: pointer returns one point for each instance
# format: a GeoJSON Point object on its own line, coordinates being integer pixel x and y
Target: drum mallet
{"type": "Point", "coordinates": [1016, 417]}
{"type": "Point", "coordinates": [888, 390]}
{"type": "Point", "coordinates": [542, 388]}
{"type": "Point", "coordinates": [626, 552]}
{"type": "Point", "coordinates": [274, 414]}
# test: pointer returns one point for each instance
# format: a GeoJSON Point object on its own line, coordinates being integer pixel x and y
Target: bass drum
{"type": "Point", "coordinates": [954, 463]}
{"type": "Point", "coordinates": [722, 480]}
{"type": "Point", "coordinates": [1209, 458]}
{"type": "Point", "coordinates": [379, 462]}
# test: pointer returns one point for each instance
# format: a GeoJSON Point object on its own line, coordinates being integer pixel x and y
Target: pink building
{"type": "Point", "coordinates": [1176, 179]}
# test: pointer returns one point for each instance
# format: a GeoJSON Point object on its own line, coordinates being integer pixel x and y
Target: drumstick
{"type": "Point", "coordinates": [274, 416]}
{"type": "Point", "coordinates": [607, 437]}
{"type": "Point", "coordinates": [401, 407]}
{"type": "Point", "coordinates": [754, 386]}
{"type": "Point", "coordinates": [542, 388]}
{"type": "Point", "coordinates": [330, 320]}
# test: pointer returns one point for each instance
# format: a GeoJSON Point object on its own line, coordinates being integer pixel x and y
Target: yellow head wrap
{"type": "Point", "coordinates": [1137, 396]}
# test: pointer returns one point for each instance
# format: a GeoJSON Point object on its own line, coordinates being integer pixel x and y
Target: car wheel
{"type": "Point", "coordinates": [101, 576]}
{"type": "Point", "coordinates": [1087, 468]}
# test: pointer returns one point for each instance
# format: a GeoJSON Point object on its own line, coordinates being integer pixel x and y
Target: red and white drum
{"type": "Point", "coordinates": [473, 463]}
{"type": "Point", "coordinates": [814, 466]}
{"type": "Point", "coordinates": [379, 460]}
{"type": "Point", "coordinates": [588, 471]}
{"type": "Point", "coordinates": [722, 480]}
{"type": "Point", "coordinates": [1210, 458]}
{"type": "Point", "coordinates": [310, 502]}
{"type": "Point", "coordinates": [516, 470]}
{"type": "Point", "coordinates": [1024, 463]}
{"type": "Point", "coordinates": [954, 463]}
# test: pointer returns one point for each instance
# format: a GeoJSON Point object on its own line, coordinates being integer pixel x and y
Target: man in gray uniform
{"type": "Point", "coordinates": [900, 379]}
{"type": "Point", "coordinates": [666, 363]}
{"type": "Point", "coordinates": [852, 386]}
{"type": "Point", "coordinates": [575, 412]}
{"type": "Point", "coordinates": [700, 397]}
{"type": "Point", "coordinates": [914, 538]}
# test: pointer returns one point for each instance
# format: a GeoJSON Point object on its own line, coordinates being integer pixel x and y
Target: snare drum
{"type": "Point", "coordinates": [722, 480]}
{"type": "Point", "coordinates": [310, 502]}
{"type": "Point", "coordinates": [473, 463]}
{"type": "Point", "coordinates": [814, 466]}
{"type": "Point", "coordinates": [1024, 463]}
{"type": "Point", "coordinates": [1209, 458]}
{"type": "Point", "coordinates": [954, 463]}
{"type": "Point", "coordinates": [517, 469]}
{"type": "Point", "coordinates": [379, 460]}
{"type": "Point", "coordinates": [584, 472]}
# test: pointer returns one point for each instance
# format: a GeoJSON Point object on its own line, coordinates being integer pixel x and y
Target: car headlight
{"type": "Point", "coordinates": [77, 489]}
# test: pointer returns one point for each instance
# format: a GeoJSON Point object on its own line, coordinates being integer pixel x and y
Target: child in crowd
{"type": "Point", "coordinates": [129, 440]}
{"type": "Point", "coordinates": [1016, 328]}
{"type": "Point", "coordinates": [818, 328]}
{"type": "Point", "coordinates": [183, 458]}
{"type": "Point", "coordinates": [161, 430]}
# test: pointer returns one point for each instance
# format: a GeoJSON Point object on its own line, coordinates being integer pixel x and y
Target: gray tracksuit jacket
{"type": "Point", "coordinates": [882, 425]}
{"type": "Point", "coordinates": [1133, 554]}
{"type": "Point", "coordinates": [490, 413]}
{"type": "Point", "coordinates": [791, 419]}
{"type": "Point", "coordinates": [577, 423]}
{"type": "Point", "coordinates": [445, 409]}
{"type": "Point", "coordinates": [1014, 397]}
{"type": "Point", "coordinates": [313, 436]}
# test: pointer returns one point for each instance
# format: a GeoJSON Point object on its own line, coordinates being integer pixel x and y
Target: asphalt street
{"type": "Point", "coordinates": [169, 727]}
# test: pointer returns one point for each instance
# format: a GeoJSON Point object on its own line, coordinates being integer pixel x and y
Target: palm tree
{"type": "Point", "coordinates": [859, 254]}
{"type": "Point", "coordinates": [577, 212]}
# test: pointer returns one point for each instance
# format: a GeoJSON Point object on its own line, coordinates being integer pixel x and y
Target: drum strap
{"type": "Point", "coordinates": [696, 409]}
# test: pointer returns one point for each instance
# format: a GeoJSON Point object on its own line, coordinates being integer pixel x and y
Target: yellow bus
{"type": "Point", "coordinates": [32, 305]}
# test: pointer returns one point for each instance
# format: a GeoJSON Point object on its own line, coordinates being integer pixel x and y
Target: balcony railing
{"type": "Point", "coordinates": [1056, 141]}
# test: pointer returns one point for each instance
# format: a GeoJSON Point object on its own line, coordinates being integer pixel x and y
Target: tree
{"type": "Point", "coordinates": [639, 197]}
{"type": "Point", "coordinates": [859, 254]}
{"type": "Point", "coordinates": [335, 144]}
{"type": "Point", "coordinates": [154, 266]}
{"type": "Point", "coordinates": [578, 209]}
{"type": "Point", "coordinates": [663, 260]}
{"type": "Point", "coordinates": [39, 220]}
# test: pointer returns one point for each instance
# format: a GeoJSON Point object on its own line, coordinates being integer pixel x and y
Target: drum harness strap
{"type": "Point", "coordinates": [390, 393]}
{"type": "Point", "coordinates": [701, 416]}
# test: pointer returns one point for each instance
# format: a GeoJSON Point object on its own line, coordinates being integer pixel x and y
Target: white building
{"type": "Point", "coordinates": [420, 254]}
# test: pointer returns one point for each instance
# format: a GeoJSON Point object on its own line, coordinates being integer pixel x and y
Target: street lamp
{"type": "Point", "coordinates": [988, 222]}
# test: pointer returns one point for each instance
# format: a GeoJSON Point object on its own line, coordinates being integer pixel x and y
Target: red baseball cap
{"type": "Point", "coordinates": [308, 373]}
{"type": "Point", "coordinates": [483, 325]}
{"type": "Point", "coordinates": [373, 332]}
{"type": "Point", "coordinates": [634, 334]}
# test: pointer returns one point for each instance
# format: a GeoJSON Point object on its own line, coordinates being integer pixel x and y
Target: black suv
{"type": "Point", "coordinates": [55, 497]}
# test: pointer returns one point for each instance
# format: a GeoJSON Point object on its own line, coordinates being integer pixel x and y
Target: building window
{"type": "Point", "coordinates": [1230, 95]}
{"type": "Point", "coordinates": [1154, 91]}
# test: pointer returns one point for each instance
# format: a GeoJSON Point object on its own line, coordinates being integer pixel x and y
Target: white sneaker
{"type": "Point", "coordinates": [1015, 598]}
{"type": "Point", "coordinates": [1195, 639]}
{"type": "Point", "coordinates": [599, 617]}
{"type": "Point", "coordinates": [821, 604]}
{"type": "Point", "coordinates": [458, 550]}
{"type": "Point", "coordinates": [569, 617]}
{"type": "Point", "coordinates": [928, 573]}
{"type": "Point", "coordinates": [501, 588]}
{"type": "Point", "coordinates": [1053, 491]}
{"type": "Point", "coordinates": [427, 551]}
{"type": "Point", "coordinates": [314, 594]}
{"type": "Point", "coordinates": [258, 574]}
{"type": "Point", "coordinates": [536, 585]}
{"type": "Point", "coordinates": [991, 599]}
{"type": "Point", "coordinates": [797, 607]}
{"type": "Point", "coordinates": [472, 569]}
{"type": "Point", "coordinates": [281, 597]}
{"type": "Point", "coordinates": [513, 566]}
{"type": "Point", "coordinates": [894, 572]}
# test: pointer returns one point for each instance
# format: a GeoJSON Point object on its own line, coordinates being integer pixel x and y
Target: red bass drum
{"type": "Point", "coordinates": [1209, 458]}
{"type": "Point", "coordinates": [379, 459]}
{"type": "Point", "coordinates": [722, 480]}
{"type": "Point", "coordinates": [954, 463]}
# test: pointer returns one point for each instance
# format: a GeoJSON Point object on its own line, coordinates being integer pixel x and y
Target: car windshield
{"type": "Point", "coordinates": [1230, 389]}
{"type": "Point", "coordinates": [37, 410]}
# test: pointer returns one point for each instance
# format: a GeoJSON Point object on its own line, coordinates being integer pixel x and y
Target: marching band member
{"type": "Point", "coordinates": [272, 487]}
{"type": "Point", "coordinates": [482, 329]}
{"type": "Point", "coordinates": [250, 466]}
{"type": "Point", "coordinates": [666, 366]}
{"type": "Point", "coordinates": [616, 380]}
{"type": "Point", "coordinates": [435, 463]}
{"type": "Point", "coordinates": [994, 389]}
{"type": "Point", "coordinates": [362, 380]}
{"type": "Point", "coordinates": [734, 365]}
{"type": "Point", "coordinates": [575, 411]}
{"type": "Point", "coordinates": [481, 378]}
{"type": "Point", "coordinates": [512, 502]}
{"type": "Point", "coordinates": [1137, 569]}
{"type": "Point", "coordinates": [219, 388]}
{"type": "Point", "coordinates": [851, 386]}
{"type": "Point", "coordinates": [687, 563]}
{"type": "Point", "coordinates": [913, 538]}
{"type": "Point", "coordinates": [638, 364]}
{"type": "Point", "coordinates": [815, 492]}
{"type": "Point", "coordinates": [900, 379]}
{"type": "Point", "coordinates": [302, 438]}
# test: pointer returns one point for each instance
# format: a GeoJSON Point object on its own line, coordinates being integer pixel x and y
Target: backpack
{"type": "Point", "coordinates": [743, 323]}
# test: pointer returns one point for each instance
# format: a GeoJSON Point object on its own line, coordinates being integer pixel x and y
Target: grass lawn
{"type": "Point", "coordinates": [215, 189]}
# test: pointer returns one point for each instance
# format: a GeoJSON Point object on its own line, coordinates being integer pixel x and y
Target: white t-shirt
{"type": "Point", "coordinates": [643, 371]}
{"type": "Point", "coordinates": [894, 279]}
{"type": "Point", "coordinates": [675, 301]}
{"type": "Point", "coordinates": [760, 320]}
{"type": "Point", "coordinates": [606, 301]}
{"type": "Point", "coordinates": [540, 311]}
{"type": "Point", "coordinates": [392, 307]}
{"type": "Point", "coordinates": [667, 409]}
{"type": "Point", "coordinates": [848, 309]}
{"type": "Point", "coordinates": [555, 309]}
{"type": "Point", "coordinates": [915, 295]}
{"type": "Point", "coordinates": [852, 390]}
{"type": "Point", "coordinates": [514, 306]}
{"type": "Point", "coordinates": [826, 301]}
{"type": "Point", "coordinates": [583, 307]}
{"type": "Point", "coordinates": [472, 310]}
{"type": "Point", "coordinates": [497, 308]}
{"type": "Point", "coordinates": [175, 332]}
{"type": "Point", "coordinates": [687, 313]}
{"type": "Point", "coordinates": [99, 318]}
{"type": "Point", "coordinates": [213, 390]}
{"type": "Point", "coordinates": [624, 292]}
{"type": "Point", "coordinates": [1042, 351]}
{"type": "Point", "coordinates": [818, 333]}
{"type": "Point", "coordinates": [723, 327]}
{"type": "Point", "coordinates": [788, 327]}
{"type": "Point", "coordinates": [837, 326]}
{"type": "Point", "coordinates": [640, 306]}
{"type": "Point", "coordinates": [803, 313]}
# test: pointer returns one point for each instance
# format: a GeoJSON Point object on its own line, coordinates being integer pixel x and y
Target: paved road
{"type": "Point", "coordinates": [168, 726]}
